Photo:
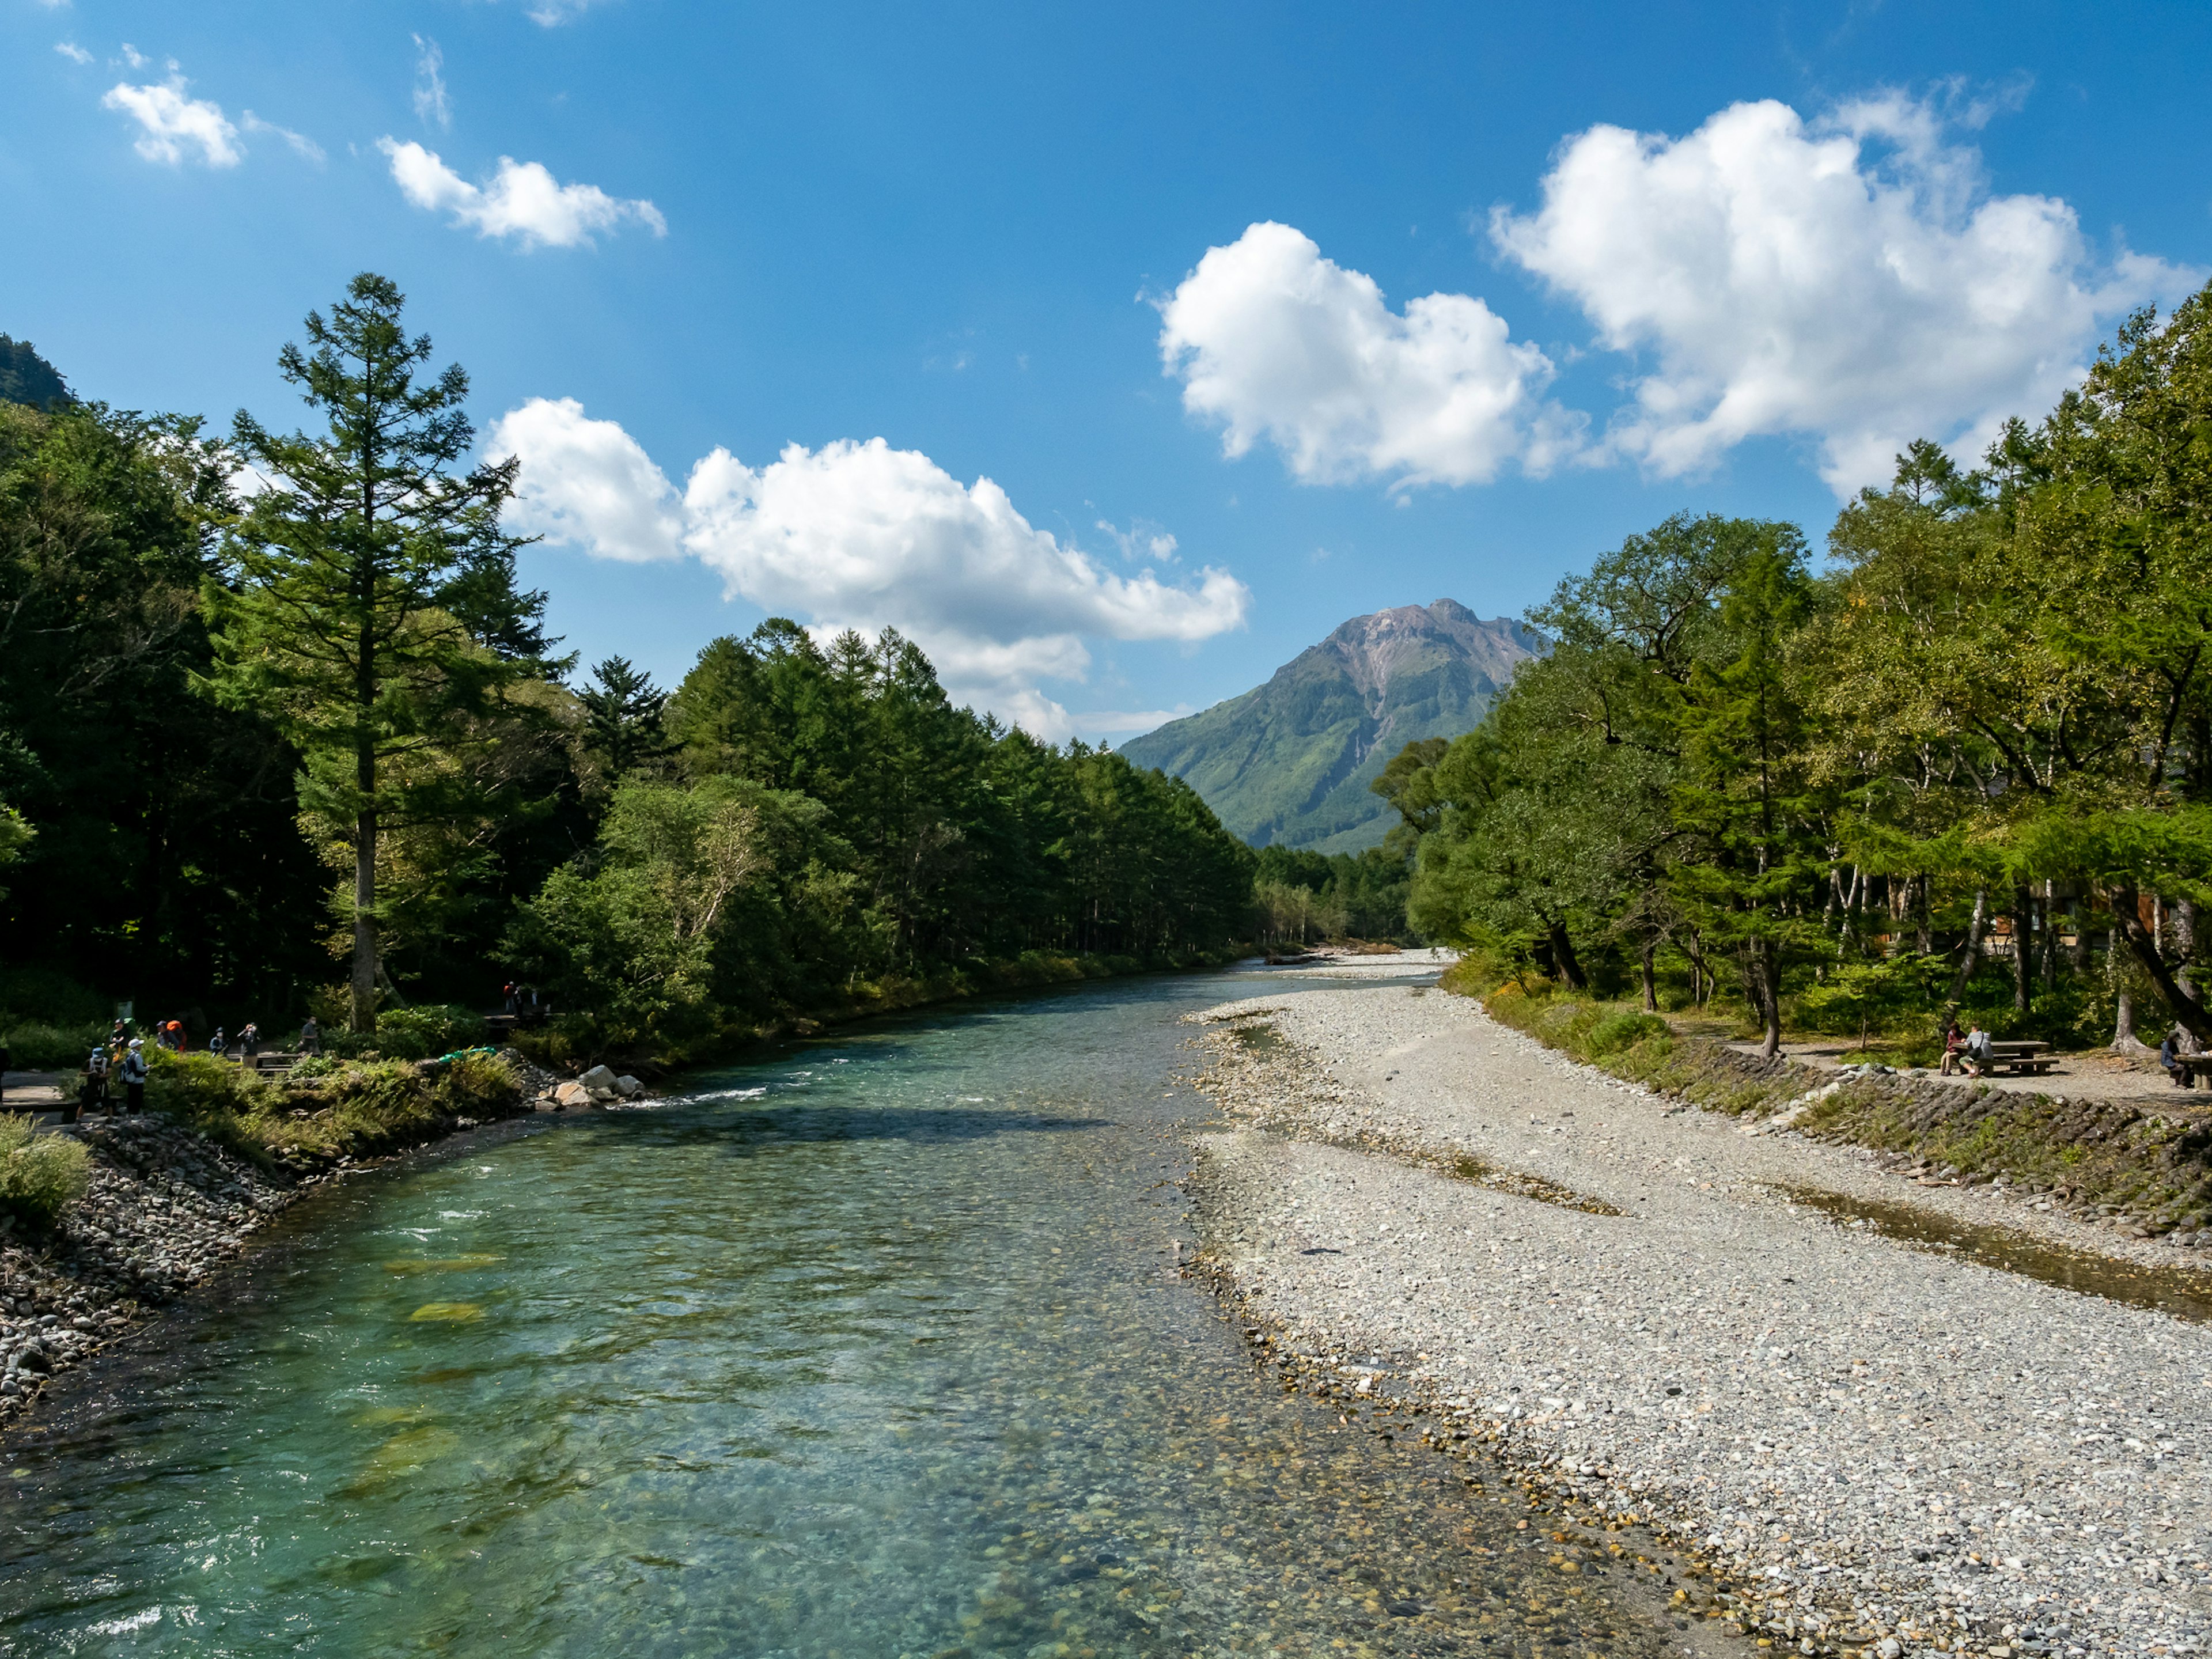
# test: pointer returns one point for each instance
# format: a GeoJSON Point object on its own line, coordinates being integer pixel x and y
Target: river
{"type": "Point", "coordinates": [874, 1347]}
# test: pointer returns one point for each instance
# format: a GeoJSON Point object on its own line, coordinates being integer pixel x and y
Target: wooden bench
{"type": "Point", "coordinates": [2022, 1058]}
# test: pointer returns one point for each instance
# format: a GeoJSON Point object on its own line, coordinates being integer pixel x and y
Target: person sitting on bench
{"type": "Point", "coordinates": [1954, 1041]}
{"type": "Point", "coordinates": [1974, 1059]}
{"type": "Point", "coordinates": [2179, 1044]}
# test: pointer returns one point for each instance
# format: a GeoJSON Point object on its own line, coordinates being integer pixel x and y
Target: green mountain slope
{"type": "Point", "coordinates": [1291, 760]}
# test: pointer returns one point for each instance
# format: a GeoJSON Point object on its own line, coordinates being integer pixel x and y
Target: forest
{"type": "Point", "coordinates": [1963, 762]}
{"type": "Point", "coordinates": [282, 731]}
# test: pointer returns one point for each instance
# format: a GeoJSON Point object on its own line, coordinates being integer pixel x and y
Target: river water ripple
{"type": "Point", "coordinates": [876, 1348]}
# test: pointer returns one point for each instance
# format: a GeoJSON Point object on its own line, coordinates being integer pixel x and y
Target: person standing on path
{"type": "Point", "coordinates": [218, 1043]}
{"type": "Point", "coordinates": [134, 1076]}
{"type": "Point", "coordinates": [92, 1094]}
{"type": "Point", "coordinates": [311, 1037]}
{"type": "Point", "coordinates": [249, 1043]}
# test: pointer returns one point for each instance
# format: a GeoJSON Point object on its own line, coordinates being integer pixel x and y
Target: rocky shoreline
{"type": "Point", "coordinates": [1848, 1445]}
{"type": "Point", "coordinates": [165, 1211]}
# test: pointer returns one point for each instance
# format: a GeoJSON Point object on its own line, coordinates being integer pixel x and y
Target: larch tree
{"type": "Point", "coordinates": [356, 610]}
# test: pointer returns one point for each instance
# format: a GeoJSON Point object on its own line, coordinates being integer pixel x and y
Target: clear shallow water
{"type": "Point", "coordinates": [876, 1348]}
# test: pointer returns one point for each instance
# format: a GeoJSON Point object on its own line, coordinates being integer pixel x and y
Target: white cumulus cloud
{"type": "Point", "coordinates": [523, 200]}
{"type": "Point", "coordinates": [74, 53]}
{"type": "Point", "coordinates": [1851, 280]}
{"type": "Point", "coordinates": [173, 126]}
{"type": "Point", "coordinates": [1273, 341]}
{"type": "Point", "coordinates": [588, 482]}
{"type": "Point", "coordinates": [861, 535]}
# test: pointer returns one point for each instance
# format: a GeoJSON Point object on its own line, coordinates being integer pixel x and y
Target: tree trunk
{"type": "Point", "coordinates": [2077, 954]}
{"type": "Point", "coordinates": [2124, 1028]}
{"type": "Point", "coordinates": [1563, 956]}
{"type": "Point", "coordinates": [364, 923]}
{"type": "Point", "coordinates": [2185, 946]}
{"type": "Point", "coordinates": [2128, 926]}
{"type": "Point", "coordinates": [2023, 949]}
{"type": "Point", "coordinates": [1970, 948]}
{"type": "Point", "coordinates": [1921, 938]}
{"type": "Point", "coordinates": [1650, 984]}
{"type": "Point", "coordinates": [1769, 963]}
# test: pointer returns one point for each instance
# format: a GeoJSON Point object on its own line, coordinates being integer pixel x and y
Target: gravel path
{"type": "Point", "coordinates": [1911, 1452]}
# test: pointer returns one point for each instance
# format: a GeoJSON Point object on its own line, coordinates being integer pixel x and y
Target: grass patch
{"type": "Point", "coordinates": [39, 1174]}
{"type": "Point", "coordinates": [1620, 1037]}
{"type": "Point", "coordinates": [2089, 1154]}
{"type": "Point", "coordinates": [336, 1108]}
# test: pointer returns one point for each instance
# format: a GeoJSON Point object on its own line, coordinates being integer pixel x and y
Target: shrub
{"type": "Point", "coordinates": [426, 1032]}
{"type": "Point", "coordinates": [1618, 1032]}
{"type": "Point", "coordinates": [35, 1046]}
{"type": "Point", "coordinates": [45, 994]}
{"type": "Point", "coordinates": [194, 1088]}
{"type": "Point", "coordinates": [39, 1174]}
{"type": "Point", "coordinates": [473, 1084]}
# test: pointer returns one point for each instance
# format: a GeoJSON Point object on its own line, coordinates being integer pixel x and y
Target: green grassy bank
{"type": "Point", "coordinates": [2151, 1170]}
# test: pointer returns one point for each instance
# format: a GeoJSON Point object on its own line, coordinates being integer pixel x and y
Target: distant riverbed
{"type": "Point", "coordinates": [876, 1347]}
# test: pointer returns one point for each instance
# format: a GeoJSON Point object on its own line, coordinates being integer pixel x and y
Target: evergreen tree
{"type": "Point", "coordinates": [624, 727]}
{"type": "Point", "coordinates": [372, 613]}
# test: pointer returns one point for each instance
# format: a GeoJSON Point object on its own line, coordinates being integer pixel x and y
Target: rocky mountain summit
{"type": "Point", "coordinates": [1290, 761]}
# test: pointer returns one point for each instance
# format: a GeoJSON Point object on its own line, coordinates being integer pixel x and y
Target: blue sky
{"type": "Point", "coordinates": [1708, 258]}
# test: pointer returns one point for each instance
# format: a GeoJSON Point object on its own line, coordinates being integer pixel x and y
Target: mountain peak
{"type": "Point", "coordinates": [1290, 761]}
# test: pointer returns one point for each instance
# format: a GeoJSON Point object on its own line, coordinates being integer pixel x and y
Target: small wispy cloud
{"type": "Point", "coordinates": [134, 57]}
{"type": "Point", "coordinates": [173, 127]}
{"type": "Point", "coordinates": [74, 53]}
{"type": "Point", "coordinates": [551, 13]}
{"type": "Point", "coordinates": [1142, 540]}
{"type": "Point", "coordinates": [301, 143]}
{"type": "Point", "coordinates": [432, 109]}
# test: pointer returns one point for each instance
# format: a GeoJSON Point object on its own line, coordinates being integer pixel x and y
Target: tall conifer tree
{"type": "Point", "coordinates": [360, 615]}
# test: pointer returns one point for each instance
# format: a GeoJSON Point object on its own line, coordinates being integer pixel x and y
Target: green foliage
{"type": "Point", "coordinates": [39, 1174]}
{"type": "Point", "coordinates": [328, 1109]}
{"type": "Point", "coordinates": [373, 618]}
{"type": "Point", "coordinates": [624, 725]}
{"type": "Point", "coordinates": [476, 1085]}
{"type": "Point", "coordinates": [1624, 1030]}
{"type": "Point", "coordinates": [841, 829]}
{"type": "Point", "coordinates": [1970, 766]}
{"type": "Point", "coordinates": [427, 1030]}
{"type": "Point", "coordinates": [27, 378]}
{"type": "Point", "coordinates": [165, 854]}
{"type": "Point", "coordinates": [36, 1046]}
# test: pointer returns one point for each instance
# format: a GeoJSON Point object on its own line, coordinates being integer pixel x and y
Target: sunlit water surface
{"type": "Point", "coordinates": [873, 1348]}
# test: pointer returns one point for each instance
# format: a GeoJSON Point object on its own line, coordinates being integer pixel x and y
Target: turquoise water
{"type": "Point", "coordinates": [875, 1348]}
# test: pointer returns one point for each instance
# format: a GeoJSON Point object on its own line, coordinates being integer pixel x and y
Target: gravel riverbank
{"type": "Point", "coordinates": [1882, 1448]}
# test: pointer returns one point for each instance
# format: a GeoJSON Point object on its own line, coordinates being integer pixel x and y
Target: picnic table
{"type": "Point", "coordinates": [2189, 1067]}
{"type": "Point", "coordinates": [2023, 1058]}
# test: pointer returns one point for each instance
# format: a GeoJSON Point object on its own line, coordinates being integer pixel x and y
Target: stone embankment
{"type": "Point", "coordinates": [1863, 1447]}
{"type": "Point", "coordinates": [166, 1209]}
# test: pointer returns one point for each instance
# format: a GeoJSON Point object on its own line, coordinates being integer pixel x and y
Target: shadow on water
{"type": "Point", "coordinates": [2185, 1292]}
{"type": "Point", "coordinates": [742, 1134]}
